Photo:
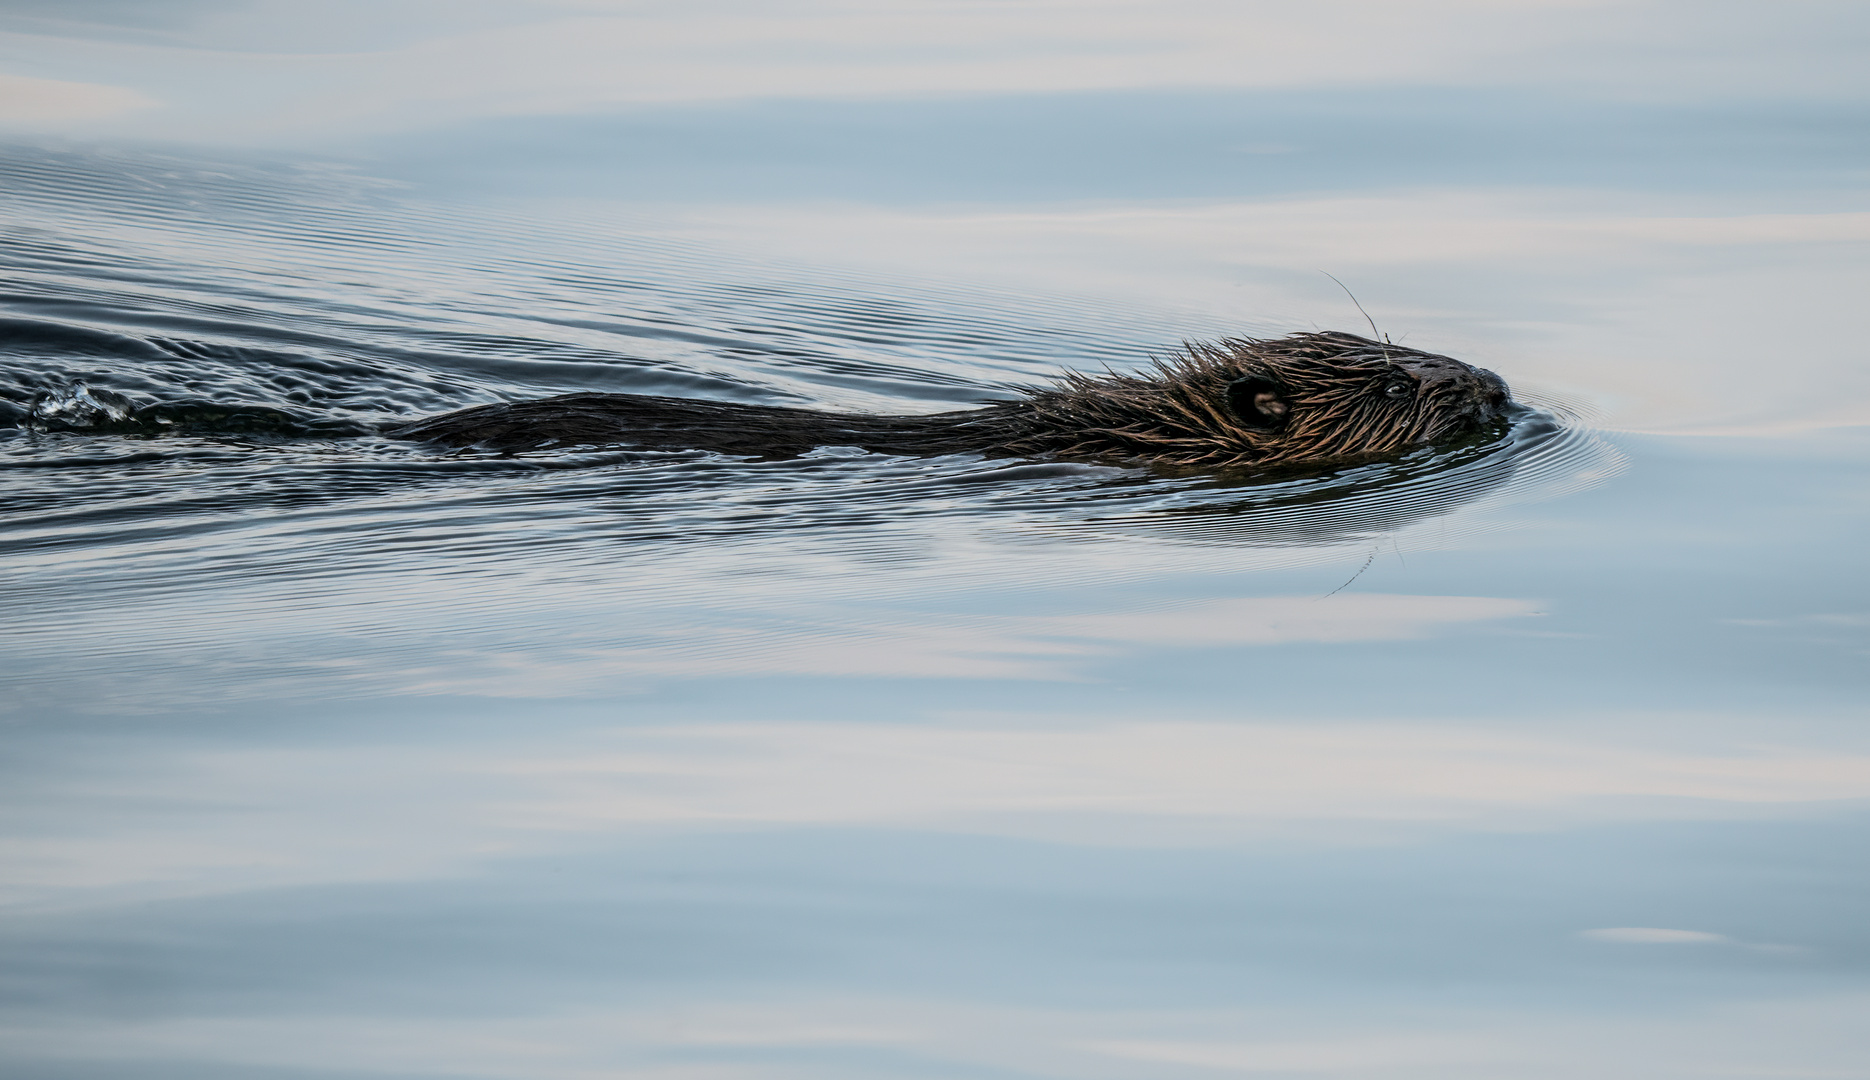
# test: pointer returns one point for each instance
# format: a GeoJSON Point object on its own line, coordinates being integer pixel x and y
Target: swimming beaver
{"type": "Point", "coordinates": [1305, 398]}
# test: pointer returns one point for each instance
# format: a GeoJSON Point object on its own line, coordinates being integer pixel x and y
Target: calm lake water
{"type": "Point", "coordinates": [333, 756]}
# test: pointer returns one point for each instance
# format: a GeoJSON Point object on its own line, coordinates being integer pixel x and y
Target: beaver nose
{"type": "Point", "coordinates": [1490, 394]}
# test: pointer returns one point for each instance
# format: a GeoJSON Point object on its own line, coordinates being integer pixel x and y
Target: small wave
{"type": "Point", "coordinates": [87, 410]}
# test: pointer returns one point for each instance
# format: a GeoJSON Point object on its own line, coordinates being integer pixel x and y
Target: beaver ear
{"type": "Point", "coordinates": [1258, 403]}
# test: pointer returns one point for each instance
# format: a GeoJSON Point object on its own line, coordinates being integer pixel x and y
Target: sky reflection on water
{"type": "Point", "coordinates": [341, 759]}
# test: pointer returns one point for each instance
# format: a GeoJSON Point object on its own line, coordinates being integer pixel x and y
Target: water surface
{"type": "Point", "coordinates": [336, 756]}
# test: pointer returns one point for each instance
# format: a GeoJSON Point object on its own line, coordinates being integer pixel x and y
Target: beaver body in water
{"type": "Point", "coordinates": [1303, 399]}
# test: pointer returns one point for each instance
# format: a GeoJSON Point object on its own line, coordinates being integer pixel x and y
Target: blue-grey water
{"type": "Point", "coordinates": [330, 756]}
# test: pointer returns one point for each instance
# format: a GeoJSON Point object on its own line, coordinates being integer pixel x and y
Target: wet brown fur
{"type": "Point", "coordinates": [1336, 397]}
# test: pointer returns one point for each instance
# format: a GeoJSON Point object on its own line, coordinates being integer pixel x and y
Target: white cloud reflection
{"type": "Point", "coordinates": [621, 633]}
{"type": "Point", "coordinates": [128, 819]}
{"type": "Point", "coordinates": [273, 70]}
{"type": "Point", "coordinates": [797, 637]}
{"type": "Point", "coordinates": [683, 1034]}
{"type": "Point", "coordinates": [1653, 935]}
{"type": "Point", "coordinates": [1167, 777]}
{"type": "Point", "coordinates": [1320, 1056]}
{"type": "Point", "coordinates": [52, 103]}
{"type": "Point", "coordinates": [1660, 935]}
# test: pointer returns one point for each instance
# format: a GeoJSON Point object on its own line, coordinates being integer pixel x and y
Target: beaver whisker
{"type": "Point", "coordinates": [1360, 308]}
{"type": "Point", "coordinates": [1240, 402]}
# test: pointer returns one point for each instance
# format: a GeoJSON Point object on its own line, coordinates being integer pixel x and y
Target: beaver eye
{"type": "Point", "coordinates": [1397, 390]}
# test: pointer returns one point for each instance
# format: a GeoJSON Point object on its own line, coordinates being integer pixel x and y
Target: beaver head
{"type": "Point", "coordinates": [1305, 398]}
